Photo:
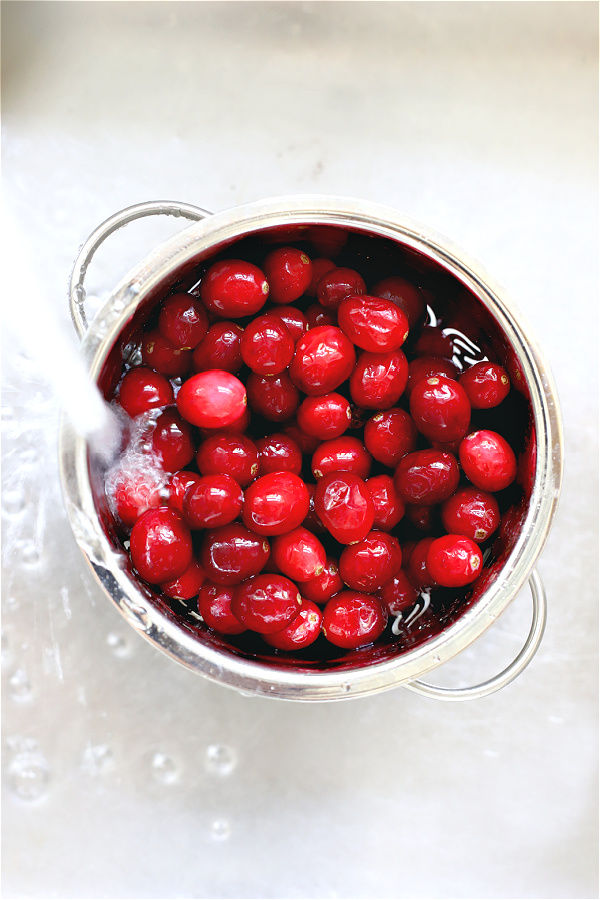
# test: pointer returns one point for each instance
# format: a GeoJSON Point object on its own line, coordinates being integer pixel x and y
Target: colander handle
{"type": "Point", "coordinates": [99, 235]}
{"type": "Point", "coordinates": [515, 668]}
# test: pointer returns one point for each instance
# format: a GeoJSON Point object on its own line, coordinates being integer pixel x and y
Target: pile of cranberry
{"type": "Point", "coordinates": [283, 437]}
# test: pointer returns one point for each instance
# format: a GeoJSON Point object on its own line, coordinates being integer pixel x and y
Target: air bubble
{"type": "Point", "coordinates": [220, 830]}
{"type": "Point", "coordinates": [29, 776]}
{"type": "Point", "coordinates": [20, 688]}
{"type": "Point", "coordinates": [220, 759]}
{"type": "Point", "coordinates": [97, 759]}
{"type": "Point", "coordinates": [164, 768]}
{"type": "Point", "coordinates": [13, 502]}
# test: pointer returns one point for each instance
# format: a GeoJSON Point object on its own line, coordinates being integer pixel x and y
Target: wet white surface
{"type": "Point", "coordinates": [125, 775]}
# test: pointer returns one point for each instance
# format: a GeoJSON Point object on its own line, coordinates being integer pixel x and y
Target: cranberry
{"type": "Point", "coordinates": [178, 484]}
{"type": "Point", "coordinates": [295, 321]}
{"type": "Point", "coordinates": [299, 554]}
{"type": "Point", "coordinates": [225, 453]}
{"type": "Point", "coordinates": [172, 441]}
{"type": "Point", "coordinates": [343, 503]}
{"type": "Point", "coordinates": [214, 605]}
{"type": "Point", "coordinates": [424, 518]}
{"type": "Point", "coordinates": [433, 342]}
{"type": "Point", "coordinates": [320, 267]}
{"type": "Point", "coordinates": [142, 390]}
{"type": "Point", "coordinates": [273, 396]}
{"type": "Point", "coordinates": [233, 289]}
{"type": "Point", "coordinates": [427, 366]}
{"type": "Point", "coordinates": [160, 354]}
{"type": "Point", "coordinates": [372, 323]}
{"type": "Point", "coordinates": [306, 442]}
{"type": "Point", "coordinates": [278, 453]}
{"type": "Point", "coordinates": [337, 284]}
{"type": "Point", "coordinates": [266, 603]}
{"type": "Point", "coordinates": [454, 560]}
{"type": "Point", "coordinates": [216, 500]}
{"type": "Point", "coordinates": [321, 588]}
{"type": "Point", "coordinates": [398, 594]}
{"type": "Point", "coordinates": [405, 295]}
{"type": "Point", "coordinates": [220, 349]}
{"type": "Point", "coordinates": [183, 320]}
{"type": "Point", "coordinates": [416, 567]}
{"type": "Point", "coordinates": [471, 512]}
{"type": "Point", "coordinates": [160, 545]}
{"type": "Point", "coordinates": [372, 562]}
{"type": "Point", "coordinates": [440, 409]}
{"type": "Point", "coordinates": [486, 384]}
{"type": "Point", "coordinates": [426, 477]}
{"type": "Point", "coordinates": [133, 491]}
{"type": "Point", "coordinates": [324, 358]}
{"type": "Point", "coordinates": [326, 416]}
{"type": "Point", "coordinates": [317, 315]}
{"type": "Point", "coordinates": [312, 522]}
{"type": "Point", "coordinates": [328, 240]}
{"type": "Point", "coordinates": [232, 553]}
{"type": "Point", "coordinates": [343, 454]}
{"type": "Point", "coordinates": [387, 502]}
{"type": "Point", "coordinates": [275, 503]}
{"type": "Point", "coordinates": [379, 379]}
{"type": "Point", "coordinates": [390, 435]}
{"type": "Point", "coordinates": [352, 619]}
{"type": "Point", "coordinates": [488, 460]}
{"type": "Point", "coordinates": [212, 399]}
{"type": "Point", "coordinates": [187, 585]}
{"type": "Point", "coordinates": [301, 632]}
{"type": "Point", "coordinates": [289, 273]}
{"type": "Point", "coordinates": [267, 346]}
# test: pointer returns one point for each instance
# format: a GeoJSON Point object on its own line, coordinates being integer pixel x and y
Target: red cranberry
{"type": "Point", "coordinates": [301, 632]}
{"type": "Point", "coordinates": [352, 619]}
{"type": "Point", "coordinates": [216, 500]}
{"type": "Point", "coordinates": [398, 594]}
{"type": "Point", "coordinates": [179, 482]}
{"type": "Point", "coordinates": [172, 441]}
{"type": "Point", "coordinates": [405, 295]}
{"type": "Point", "coordinates": [160, 545]}
{"type": "Point", "coordinates": [278, 453]}
{"type": "Point", "coordinates": [133, 492]}
{"type": "Point", "coordinates": [337, 284]}
{"type": "Point", "coordinates": [372, 323]}
{"type": "Point", "coordinates": [187, 585]}
{"type": "Point", "coordinates": [275, 503]}
{"type": "Point", "coordinates": [328, 240]}
{"type": "Point", "coordinates": [233, 289]}
{"type": "Point", "coordinates": [299, 554]}
{"type": "Point", "coordinates": [416, 567]}
{"type": "Point", "coordinates": [220, 349]}
{"type": "Point", "coordinates": [183, 320]}
{"type": "Point", "coordinates": [390, 435]}
{"type": "Point", "coordinates": [289, 273]}
{"type": "Point", "coordinates": [343, 454]}
{"type": "Point", "coordinates": [372, 562]}
{"type": "Point", "coordinates": [317, 316]}
{"type": "Point", "coordinates": [471, 512]}
{"type": "Point", "coordinates": [306, 442]}
{"type": "Point", "coordinates": [426, 367]}
{"type": "Point", "coordinates": [324, 358]}
{"type": "Point", "coordinates": [160, 354]}
{"type": "Point", "coordinates": [424, 518]}
{"type": "Point", "coordinates": [343, 503]}
{"type": "Point", "coordinates": [379, 379]}
{"type": "Point", "coordinates": [454, 560]}
{"type": "Point", "coordinates": [267, 346]}
{"type": "Point", "coordinates": [295, 321]}
{"type": "Point", "coordinates": [312, 522]}
{"type": "Point", "coordinates": [326, 416]}
{"type": "Point", "coordinates": [387, 502]}
{"type": "Point", "coordinates": [214, 605]}
{"type": "Point", "coordinates": [232, 553]}
{"type": "Point", "coordinates": [426, 477]}
{"type": "Point", "coordinates": [486, 384]}
{"type": "Point", "coordinates": [273, 396]}
{"type": "Point", "coordinates": [225, 453]}
{"type": "Point", "coordinates": [440, 408]}
{"type": "Point", "coordinates": [320, 267]}
{"type": "Point", "coordinates": [433, 342]}
{"type": "Point", "coordinates": [488, 460]}
{"type": "Point", "coordinates": [142, 390]}
{"type": "Point", "coordinates": [266, 603]}
{"type": "Point", "coordinates": [321, 588]}
{"type": "Point", "coordinates": [212, 399]}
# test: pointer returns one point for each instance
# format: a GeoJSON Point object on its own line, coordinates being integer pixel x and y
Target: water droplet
{"type": "Point", "coordinates": [118, 644]}
{"type": "Point", "coordinates": [29, 775]}
{"type": "Point", "coordinates": [13, 502]}
{"type": "Point", "coordinates": [220, 830]}
{"type": "Point", "coordinates": [164, 768]}
{"type": "Point", "coordinates": [97, 759]}
{"type": "Point", "coordinates": [220, 759]}
{"type": "Point", "coordinates": [20, 688]}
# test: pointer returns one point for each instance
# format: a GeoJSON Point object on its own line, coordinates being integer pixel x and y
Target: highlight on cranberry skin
{"type": "Point", "coordinates": [486, 384]}
{"type": "Point", "coordinates": [266, 603]}
{"type": "Point", "coordinates": [454, 560]}
{"type": "Point", "coordinates": [343, 503]}
{"type": "Point", "coordinates": [160, 545]}
{"type": "Point", "coordinates": [353, 619]}
{"type": "Point", "coordinates": [299, 554]}
{"type": "Point", "coordinates": [142, 389]}
{"type": "Point", "coordinates": [233, 288]}
{"type": "Point", "coordinates": [183, 320]}
{"type": "Point", "coordinates": [301, 632]}
{"type": "Point", "coordinates": [212, 399]}
{"type": "Point", "coordinates": [369, 564]}
{"type": "Point", "coordinates": [275, 503]}
{"type": "Point", "coordinates": [372, 323]}
{"type": "Point", "coordinates": [214, 605]}
{"type": "Point", "coordinates": [471, 512]}
{"type": "Point", "coordinates": [426, 477]}
{"type": "Point", "coordinates": [226, 453]}
{"type": "Point", "coordinates": [487, 460]}
{"type": "Point", "coordinates": [172, 441]}
{"type": "Point", "coordinates": [267, 346]}
{"type": "Point", "coordinates": [390, 435]}
{"type": "Point", "coordinates": [440, 409]}
{"type": "Point", "coordinates": [188, 585]}
{"type": "Point", "coordinates": [289, 273]}
{"type": "Point", "coordinates": [219, 349]}
{"type": "Point", "coordinates": [323, 359]}
{"type": "Point", "coordinates": [215, 500]}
